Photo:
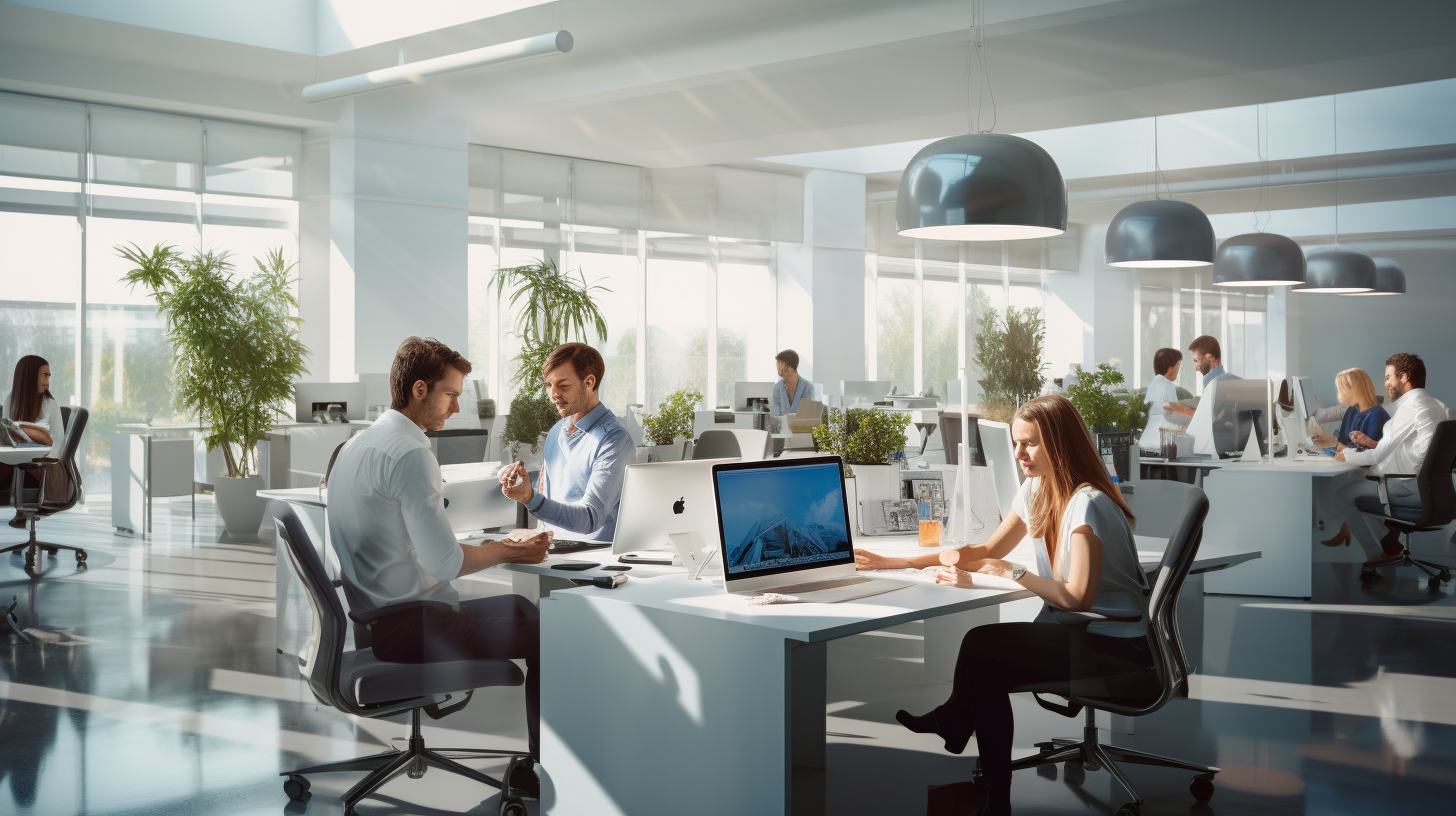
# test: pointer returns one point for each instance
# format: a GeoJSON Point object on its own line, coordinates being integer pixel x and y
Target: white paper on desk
{"type": "Point", "coordinates": [469, 472]}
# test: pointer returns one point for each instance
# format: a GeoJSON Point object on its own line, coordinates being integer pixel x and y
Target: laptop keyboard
{"type": "Point", "coordinates": [816, 586]}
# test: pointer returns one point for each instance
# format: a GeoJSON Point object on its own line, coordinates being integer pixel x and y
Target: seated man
{"type": "Point", "coordinates": [1208, 362]}
{"type": "Point", "coordinates": [587, 452]}
{"type": "Point", "coordinates": [387, 523]}
{"type": "Point", "coordinates": [1401, 449]}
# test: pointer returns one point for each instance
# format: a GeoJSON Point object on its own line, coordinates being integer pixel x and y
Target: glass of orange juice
{"type": "Point", "coordinates": [930, 527]}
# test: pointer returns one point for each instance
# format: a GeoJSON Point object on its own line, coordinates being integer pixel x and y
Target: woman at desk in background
{"type": "Point", "coordinates": [32, 408]}
{"type": "Point", "coordinates": [1364, 415]}
{"type": "Point", "coordinates": [1162, 394]}
{"type": "Point", "coordinates": [791, 387]}
{"type": "Point", "coordinates": [1087, 561]}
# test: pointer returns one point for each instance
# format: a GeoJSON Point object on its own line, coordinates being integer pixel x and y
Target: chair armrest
{"type": "Point", "coordinates": [1388, 476]}
{"type": "Point", "coordinates": [373, 615]}
{"type": "Point", "coordinates": [45, 460]}
{"type": "Point", "coordinates": [1098, 616]}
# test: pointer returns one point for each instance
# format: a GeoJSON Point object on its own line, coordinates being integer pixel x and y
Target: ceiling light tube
{"type": "Point", "coordinates": [556, 42]}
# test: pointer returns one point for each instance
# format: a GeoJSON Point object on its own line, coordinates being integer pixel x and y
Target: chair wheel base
{"type": "Point", "coordinates": [1130, 809]}
{"type": "Point", "coordinates": [1368, 577]}
{"type": "Point", "coordinates": [1201, 787]}
{"type": "Point", "coordinates": [1073, 772]}
{"type": "Point", "coordinates": [296, 786]}
{"type": "Point", "coordinates": [512, 807]}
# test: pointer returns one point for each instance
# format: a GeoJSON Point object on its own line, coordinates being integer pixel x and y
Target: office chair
{"type": "Point", "coordinates": [455, 446]}
{"type": "Point", "coordinates": [746, 444]}
{"type": "Point", "coordinates": [1169, 673]}
{"type": "Point", "coordinates": [31, 502]}
{"type": "Point", "coordinates": [356, 682]}
{"type": "Point", "coordinates": [1438, 507]}
{"type": "Point", "coordinates": [1158, 505]}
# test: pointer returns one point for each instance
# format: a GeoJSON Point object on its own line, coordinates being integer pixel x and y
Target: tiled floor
{"type": "Point", "coordinates": [158, 691]}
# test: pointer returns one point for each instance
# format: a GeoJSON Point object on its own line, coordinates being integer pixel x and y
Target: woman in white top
{"type": "Point", "coordinates": [35, 412]}
{"type": "Point", "coordinates": [1162, 392]}
{"type": "Point", "coordinates": [1087, 562]}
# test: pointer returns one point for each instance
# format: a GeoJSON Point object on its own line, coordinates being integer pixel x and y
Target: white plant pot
{"type": "Point", "coordinates": [238, 504]}
{"type": "Point", "coordinates": [521, 452]}
{"type": "Point", "coordinates": [661, 453]}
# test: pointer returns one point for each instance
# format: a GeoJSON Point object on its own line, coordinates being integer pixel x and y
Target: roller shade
{"type": "Point", "coordinates": [146, 149]}
{"type": "Point", "coordinates": [252, 161]}
{"type": "Point", "coordinates": [42, 139]}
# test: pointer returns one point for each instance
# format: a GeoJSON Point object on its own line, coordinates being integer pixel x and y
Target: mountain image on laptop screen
{"type": "Point", "coordinates": [782, 517]}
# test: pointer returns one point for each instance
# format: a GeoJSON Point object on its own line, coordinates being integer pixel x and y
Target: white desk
{"type": "Point", "coordinates": [21, 456]}
{"type": "Point", "coordinates": [668, 696]}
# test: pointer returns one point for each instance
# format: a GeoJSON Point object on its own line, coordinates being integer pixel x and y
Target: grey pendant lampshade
{"type": "Point", "coordinates": [981, 187]}
{"type": "Point", "coordinates": [1160, 234]}
{"type": "Point", "coordinates": [1338, 269]}
{"type": "Point", "coordinates": [1259, 259]}
{"type": "Point", "coordinates": [1389, 279]}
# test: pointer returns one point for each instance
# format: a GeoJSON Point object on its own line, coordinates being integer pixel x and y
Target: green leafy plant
{"type": "Point", "coordinates": [531, 415]}
{"type": "Point", "coordinates": [674, 417]}
{"type": "Point", "coordinates": [1009, 350]}
{"type": "Point", "coordinates": [862, 436]}
{"type": "Point", "coordinates": [235, 347]}
{"type": "Point", "coordinates": [1102, 398]}
{"type": "Point", "coordinates": [553, 307]}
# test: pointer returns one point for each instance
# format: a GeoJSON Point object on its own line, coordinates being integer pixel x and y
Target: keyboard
{"type": "Point", "coordinates": [567, 545]}
{"type": "Point", "coordinates": [817, 586]}
{"type": "Point", "coordinates": [835, 590]}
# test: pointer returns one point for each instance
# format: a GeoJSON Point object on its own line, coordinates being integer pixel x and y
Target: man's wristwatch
{"type": "Point", "coordinates": [1017, 572]}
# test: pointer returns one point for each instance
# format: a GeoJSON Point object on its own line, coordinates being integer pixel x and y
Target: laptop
{"type": "Point", "coordinates": [783, 527]}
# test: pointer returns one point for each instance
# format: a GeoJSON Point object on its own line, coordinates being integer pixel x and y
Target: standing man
{"type": "Point", "coordinates": [587, 452]}
{"type": "Point", "coordinates": [1401, 449]}
{"type": "Point", "coordinates": [387, 523]}
{"type": "Point", "coordinates": [1207, 361]}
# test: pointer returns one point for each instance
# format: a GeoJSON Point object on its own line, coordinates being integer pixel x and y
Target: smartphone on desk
{"type": "Point", "coordinates": [661, 559]}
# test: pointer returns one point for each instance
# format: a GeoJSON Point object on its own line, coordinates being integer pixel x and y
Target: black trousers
{"type": "Point", "coordinates": [504, 626]}
{"type": "Point", "coordinates": [999, 659]}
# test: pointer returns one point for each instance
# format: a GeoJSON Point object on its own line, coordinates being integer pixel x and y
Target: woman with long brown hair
{"type": "Point", "coordinates": [36, 414]}
{"type": "Point", "coordinates": [1087, 562]}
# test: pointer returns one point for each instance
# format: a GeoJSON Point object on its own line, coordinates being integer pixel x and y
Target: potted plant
{"type": "Point", "coordinates": [235, 357]}
{"type": "Point", "coordinates": [552, 308]}
{"type": "Point", "coordinates": [1009, 349]}
{"type": "Point", "coordinates": [1102, 398]}
{"type": "Point", "coordinates": [672, 425]}
{"type": "Point", "coordinates": [867, 439]}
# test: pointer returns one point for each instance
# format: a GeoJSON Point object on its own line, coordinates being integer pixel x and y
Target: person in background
{"type": "Point", "coordinates": [1162, 397]}
{"type": "Point", "coordinates": [1364, 414]}
{"type": "Point", "coordinates": [791, 387]}
{"type": "Point", "coordinates": [1414, 415]}
{"type": "Point", "coordinates": [1208, 362]}
{"type": "Point", "coordinates": [587, 451]}
{"type": "Point", "coordinates": [35, 412]}
{"type": "Point", "coordinates": [1086, 561]}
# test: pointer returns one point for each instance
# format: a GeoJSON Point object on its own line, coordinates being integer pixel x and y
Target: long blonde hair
{"type": "Point", "coordinates": [1356, 383]}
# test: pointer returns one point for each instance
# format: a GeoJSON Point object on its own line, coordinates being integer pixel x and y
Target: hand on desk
{"type": "Point", "coordinates": [866, 560]}
{"type": "Point", "coordinates": [954, 573]}
{"type": "Point", "coordinates": [1359, 438]}
{"type": "Point", "coordinates": [1325, 441]}
{"type": "Point", "coordinates": [516, 483]}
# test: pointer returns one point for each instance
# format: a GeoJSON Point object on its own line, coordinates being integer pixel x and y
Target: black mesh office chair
{"type": "Point", "coordinates": [1438, 507]}
{"type": "Point", "coordinates": [31, 504]}
{"type": "Point", "coordinates": [355, 682]}
{"type": "Point", "coordinates": [1168, 678]}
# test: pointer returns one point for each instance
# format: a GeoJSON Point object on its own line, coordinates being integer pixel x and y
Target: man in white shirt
{"type": "Point", "coordinates": [1401, 449]}
{"type": "Point", "coordinates": [387, 523]}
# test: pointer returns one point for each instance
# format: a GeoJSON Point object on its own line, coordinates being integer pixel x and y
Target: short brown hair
{"type": "Point", "coordinates": [1411, 366]}
{"type": "Point", "coordinates": [1206, 345]}
{"type": "Point", "coordinates": [788, 357]}
{"type": "Point", "coordinates": [584, 360]}
{"type": "Point", "coordinates": [1166, 358]}
{"type": "Point", "coordinates": [421, 358]}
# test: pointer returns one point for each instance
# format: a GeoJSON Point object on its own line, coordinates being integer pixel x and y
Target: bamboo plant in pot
{"type": "Point", "coordinates": [235, 357]}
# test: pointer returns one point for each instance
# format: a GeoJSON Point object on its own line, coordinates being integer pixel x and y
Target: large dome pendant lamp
{"type": "Point", "coordinates": [1337, 269]}
{"type": "Point", "coordinates": [1389, 279]}
{"type": "Point", "coordinates": [1259, 258]}
{"type": "Point", "coordinates": [1160, 233]}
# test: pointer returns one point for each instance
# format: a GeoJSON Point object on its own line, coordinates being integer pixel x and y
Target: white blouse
{"type": "Point", "coordinates": [50, 419]}
{"type": "Point", "coordinates": [1122, 585]}
{"type": "Point", "coordinates": [1161, 391]}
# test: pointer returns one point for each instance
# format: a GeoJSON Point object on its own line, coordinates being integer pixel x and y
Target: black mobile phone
{"type": "Point", "coordinates": [575, 565]}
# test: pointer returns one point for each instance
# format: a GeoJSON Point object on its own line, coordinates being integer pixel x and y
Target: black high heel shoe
{"type": "Point", "coordinates": [930, 723]}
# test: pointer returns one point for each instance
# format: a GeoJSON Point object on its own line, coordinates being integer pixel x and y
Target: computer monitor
{"type": "Point", "coordinates": [782, 515]}
{"type": "Point", "coordinates": [1306, 403]}
{"type": "Point", "coordinates": [316, 396]}
{"type": "Point", "coordinates": [1000, 456]}
{"type": "Point", "coordinates": [663, 498]}
{"type": "Point", "coordinates": [863, 392]}
{"type": "Point", "coordinates": [745, 391]}
{"type": "Point", "coordinates": [1240, 407]}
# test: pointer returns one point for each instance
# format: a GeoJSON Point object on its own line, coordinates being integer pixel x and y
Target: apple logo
{"type": "Point", "coordinates": [677, 506]}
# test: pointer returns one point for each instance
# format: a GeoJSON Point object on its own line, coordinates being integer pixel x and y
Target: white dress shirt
{"type": "Point", "coordinates": [1407, 435]}
{"type": "Point", "coordinates": [1161, 391]}
{"type": "Point", "coordinates": [50, 419]}
{"type": "Point", "coordinates": [387, 516]}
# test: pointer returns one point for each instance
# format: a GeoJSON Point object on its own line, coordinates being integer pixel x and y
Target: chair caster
{"type": "Point", "coordinates": [1201, 787]}
{"type": "Point", "coordinates": [296, 786]}
{"type": "Point", "coordinates": [30, 560]}
{"type": "Point", "coordinates": [1073, 772]}
{"type": "Point", "coordinates": [80, 558]}
{"type": "Point", "coordinates": [417, 768]}
{"type": "Point", "coordinates": [1434, 583]}
{"type": "Point", "coordinates": [51, 551]}
{"type": "Point", "coordinates": [1047, 772]}
{"type": "Point", "coordinates": [1130, 809]}
{"type": "Point", "coordinates": [1445, 576]}
{"type": "Point", "coordinates": [512, 807]}
{"type": "Point", "coordinates": [1368, 577]}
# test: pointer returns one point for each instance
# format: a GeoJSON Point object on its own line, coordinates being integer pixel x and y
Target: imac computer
{"type": "Point", "coordinates": [1239, 408]}
{"type": "Point", "coordinates": [664, 498]}
{"type": "Point", "coordinates": [863, 392]}
{"type": "Point", "coordinates": [1001, 459]}
{"type": "Point", "coordinates": [743, 392]}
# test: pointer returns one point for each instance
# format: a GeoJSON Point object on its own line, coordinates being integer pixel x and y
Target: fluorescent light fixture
{"type": "Point", "coordinates": [556, 42]}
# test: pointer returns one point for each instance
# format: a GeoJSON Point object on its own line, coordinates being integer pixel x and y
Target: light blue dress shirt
{"type": "Point", "coordinates": [581, 480]}
{"type": "Point", "coordinates": [779, 402]}
{"type": "Point", "coordinates": [1213, 374]}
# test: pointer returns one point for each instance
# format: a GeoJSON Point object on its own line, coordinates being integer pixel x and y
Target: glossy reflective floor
{"type": "Point", "coordinates": [155, 688]}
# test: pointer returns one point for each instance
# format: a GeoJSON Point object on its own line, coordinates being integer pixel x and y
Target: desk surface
{"type": "Point", "coordinates": [314, 496]}
{"type": "Point", "coordinates": [1315, 465]}
{"type": "Point", "coordinates": [19, 456]}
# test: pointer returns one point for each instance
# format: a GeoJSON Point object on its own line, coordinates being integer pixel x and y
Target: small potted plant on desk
{"type": "Point", "coordinates": [867, 439]}
{"type": "Point", "coordinates": [235, 358]}
{"type": "Point", "coordinates": [1102, 398]}
{"type": "Point", "coordinates": [667, 431]}
{"type": "Point", "coordinates": [531, 418]}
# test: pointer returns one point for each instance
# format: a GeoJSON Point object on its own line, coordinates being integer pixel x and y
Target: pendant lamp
{"type": "Point", "coordinates": [1159, 234]}
{"type": "Point", "coordinates": [1338, 269]}
{"type": "Point", "coordinates": [981, 187]}
{"type": "Point", "coordinates": [1259, 259]}
{"type": "Point", "coordinates": [1389, 279]}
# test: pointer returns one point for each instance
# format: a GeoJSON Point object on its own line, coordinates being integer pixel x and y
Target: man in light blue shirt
{"type": "Point", "coordinates": [1208, 361]}
{"type": "Point", "coordinates": [587, 452]}
{"type": "Point", "coordinates": [791, 387]}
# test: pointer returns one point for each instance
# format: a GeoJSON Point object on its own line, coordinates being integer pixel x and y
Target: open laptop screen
{"type": "Point", "coordinates": [782, 515]}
